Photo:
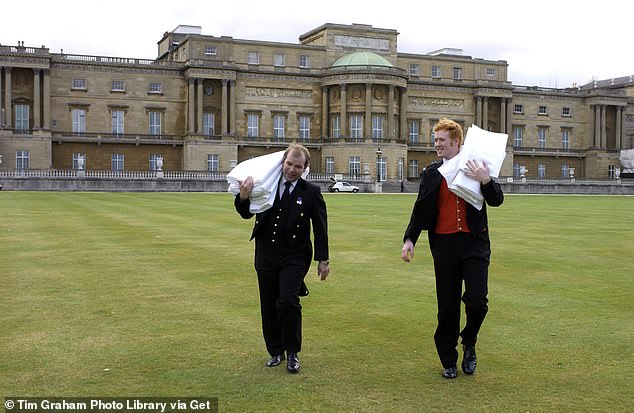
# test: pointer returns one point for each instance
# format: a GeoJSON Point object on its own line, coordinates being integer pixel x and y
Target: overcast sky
{"type": "Point", "coordinates": [549, 43]}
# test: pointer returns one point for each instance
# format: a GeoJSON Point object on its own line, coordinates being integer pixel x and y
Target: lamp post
{"type": "Point", "coordinates": [379, 153]}
{"type": "Point", "coordinates": [378, 169]}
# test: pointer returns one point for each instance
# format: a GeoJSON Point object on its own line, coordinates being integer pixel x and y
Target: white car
{"type": "Point", "coordinates": [341, 186]}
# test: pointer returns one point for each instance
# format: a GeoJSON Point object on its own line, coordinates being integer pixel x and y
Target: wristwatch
{"type": "Point", "coordinates": [327, 262]}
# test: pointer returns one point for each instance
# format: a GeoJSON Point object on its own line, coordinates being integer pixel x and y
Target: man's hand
{"type": "Point", "coordinates": [478, 172]}
{"type": "Point", "coordinates": [246, 187]}
{"type": "Point", "coordinates": [323, 269]}
{"type": "Point", "coordinates": [407, 253]}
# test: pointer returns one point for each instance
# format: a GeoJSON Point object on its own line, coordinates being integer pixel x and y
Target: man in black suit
{"type": "Point", "coordinates": [283, 252]}
{"type": "Point", "coordinates": [459, 241]}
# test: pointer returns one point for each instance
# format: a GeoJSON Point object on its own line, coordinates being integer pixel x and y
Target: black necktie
{"type": "Point", "coordinates": [284, 201]}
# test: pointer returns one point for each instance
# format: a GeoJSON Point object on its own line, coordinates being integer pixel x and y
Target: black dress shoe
{"type": "Point", "coordinates": [275, 360]}
{"type": "Point", "coordinates": [292, 363]}
{"type": "Point", "coordinates": [469, 360]}
{"type": "Point", "coordinates": [450, 372]}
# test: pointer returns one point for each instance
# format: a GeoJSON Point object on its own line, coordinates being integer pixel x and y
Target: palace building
{"type": "Point", "coordinates": [344, 91]}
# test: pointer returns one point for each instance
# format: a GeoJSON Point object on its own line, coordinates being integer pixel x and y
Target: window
{"type": "Point", "coordinates": [279, 60]}
{"type": "Point", "coordinates": [565, 112]}
{"type": "Point", "coordinates": [210, 50]}
{"type": "Point", "coordinates": [22, 118]}
{"type": "Point", "coordinates": [153, 161]}
{"type": "Point", "coordinates": [304, 61]}
{"type": "Point", "coordinates": [155, 123]}
{"type": "Point", "coordinates": [335, 122]}
{"type": "Point", "coordinates": [516, 170]}
{"type": "Point", "coordinates": [356, 126]}
{"type": "Point", "coordinates": [117, 122]}
{"type": "Point", "coordinates": [565, 171]}
{"type": "Point", "coordinates": [432, 134]}
{"type": "Point", "coordinates": [117, 161]}
{"type": "Point", "coordinates": [278, 128]}
{"type": "Point", "coordinates": [21, 160]}
{"type": "Point", "coordinates": [354, 165]}
{"type": "Point", "coordinates": [414, 131]}
{"type": "Point", "coordinates": [541, 138]}
{"type": "Point", "coordinates": [209, 124]}
{"type": "Point", "coordinates": [253, 57]}
{"type": "Point", "coordinates": [413, 168]}
{"type": "Point", "coordinates": [304, 128]}
{"type": "Point", "coordinates": [541, 171]}
{"type": "Point", "coordinates": [212, 163]}
{"type": "Point", "coordinates": [518, 109]}
{"type": "Point", "coordinates": [542, 110]}
{"type": "Point", "coordinates": [79, 121]}
{"type": "Point", "coordinates": [330, 165]}
{"type": "Point", "coordinates": [117, 86]}
{"type": "Point", "coordinates": [377, 127]}
{"type": "Point", "coordinates": [611, 171]}
{"type": "Point", "coordinates": [490, 71]}
{"type": "Point", "coordinates": [253, 125]}
{"type": "Point", "coordinates": [76, 156]}
{"type": "Point", "coordinates": [381, 169]}
{"type": "Point", "coordinates": [435, 71]}
{"type": "Point", "coordinates": [565, 139]}
{"type": "Point", "coordinates": [414, 69]}
{"type": "Point", "coordinates": [79, 84]}
{"type": "Point", "coordinates": [155, 87]}
{"type": "Point", "coordinates": [518, 133]}
{"type": "Point", "coordinates": [401, 162]}
{"type": "Point", "coordinates": [457, 73]}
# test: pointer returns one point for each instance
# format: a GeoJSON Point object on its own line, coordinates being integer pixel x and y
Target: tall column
{"type": "Point", "coordinates": [1, 104]}
{"type": "Point", "coordinates": [223, 107]}
{"type": "Point", "coordinates": [8, 116]}
{"type": "Point", "coordinates": [390, 112]}
{"type": "Point", "coordinates": [603, 126]}
{"type": "Point", "coordinates": [485, 113]}
{"type": "Point", "coordinates": [37, 108]}
{"type": "Point", "coordinates": [368, 111]}
{"type": "Point", "coordinates": [199, 106]}
{"type": "Point", "coordinates": [597, 125]}
{"type": "Point", "coordinates": [503, 115]}
{"type": "Point", "coordinates": [190, 106]}
{"type": "Point", "coordinates": [324, 111]}
{"type": "Point", "coordinates": [46, 101]}
{"type": "Point", "coordinates": [620, 127]}
{"type": "Point", "coordinates": [403, 113]}
{"type": "Point", "coordinates": [479, 111]}
{"type": "Point", "coordinates": [617, 140]}
{"type": "Point", "coordinates": [344, 111]}
{"type": "Point", "coordinates": [232, 107]}
{"type": "Point", "coordinates": [509, 116]}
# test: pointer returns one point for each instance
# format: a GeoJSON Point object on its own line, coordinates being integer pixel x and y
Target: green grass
{"type": "Point", "coordinates": [154, 294]}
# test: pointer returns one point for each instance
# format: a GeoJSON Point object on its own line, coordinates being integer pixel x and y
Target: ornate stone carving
{"type": "Point", "coordinates": [362, 42]}
{"type": "Point", "coordinates": [437, 103]}
{"type": "Point", "coordinates": [270, 92]}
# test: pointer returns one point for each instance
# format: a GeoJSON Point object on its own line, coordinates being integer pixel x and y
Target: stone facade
{"type": "Point", "coordinates": [206, 103]}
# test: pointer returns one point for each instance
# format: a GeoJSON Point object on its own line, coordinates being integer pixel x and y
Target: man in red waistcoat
{"type": "Point", "coordinates": [459, 242]}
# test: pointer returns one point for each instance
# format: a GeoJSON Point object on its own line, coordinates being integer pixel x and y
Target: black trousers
{"type": "Point", "coordinates": [280, 275]}
{"type": "Point", "coordinates": [458, 258]}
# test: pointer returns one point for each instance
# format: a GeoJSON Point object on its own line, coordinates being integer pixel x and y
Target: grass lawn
{"type": "Point", "coordinates": [154, 294]}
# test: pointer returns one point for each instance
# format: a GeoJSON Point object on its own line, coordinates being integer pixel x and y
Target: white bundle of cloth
{"type": "Point", "coordinates": [481, 146]}
{"type": "Point", "coordinates": [266, 171]}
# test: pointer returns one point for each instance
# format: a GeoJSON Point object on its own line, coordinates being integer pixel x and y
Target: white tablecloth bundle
{"type": "Point", "coordinates": [266, 171]}
{"type": "Point", "coordinates": [481, 146]}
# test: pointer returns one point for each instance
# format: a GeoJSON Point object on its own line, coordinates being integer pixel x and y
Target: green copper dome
{"type": "Point", "coordinates": [362, 59]}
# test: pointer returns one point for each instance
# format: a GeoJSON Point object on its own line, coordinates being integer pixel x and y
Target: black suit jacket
{"type": "Point", "coordinates": [425, 209]}
{"type": "Point", "coordinates": [307, 206]}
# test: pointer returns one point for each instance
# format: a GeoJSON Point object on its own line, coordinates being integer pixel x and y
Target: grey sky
{"type": "Point", "coordinates": [546, 43]}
